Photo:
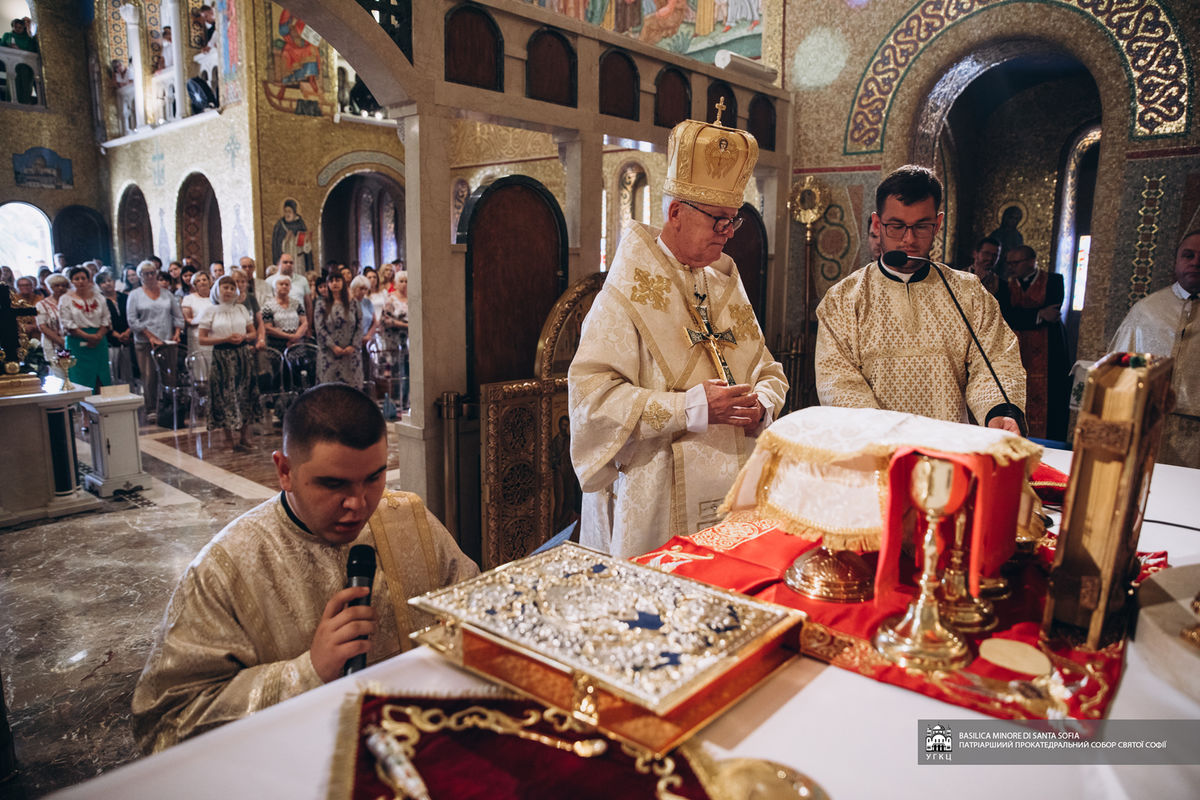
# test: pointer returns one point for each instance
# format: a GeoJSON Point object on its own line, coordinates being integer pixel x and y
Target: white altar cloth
{"type": "Point", "coordinates": [854, 736]}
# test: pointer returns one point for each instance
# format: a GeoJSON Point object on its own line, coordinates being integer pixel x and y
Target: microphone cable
{"type": "Point", "coordinates": [1008, 407]}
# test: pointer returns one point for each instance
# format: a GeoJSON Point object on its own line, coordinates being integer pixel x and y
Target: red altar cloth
{"type": "Point", "coordinates": [752, 557]}
{"type": "Point", "coordinates": [475, 763]}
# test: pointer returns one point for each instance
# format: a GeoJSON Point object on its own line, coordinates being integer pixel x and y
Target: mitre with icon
{"type": "Point", "coordinates": [842, 476]}
{"type": "Point", "coordinates": [709, 163]}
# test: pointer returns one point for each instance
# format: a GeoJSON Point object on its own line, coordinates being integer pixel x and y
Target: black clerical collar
{"type": "Point", "coordinates": [292, 514]}
{"type": "Point", "coordinates": [918, 276]}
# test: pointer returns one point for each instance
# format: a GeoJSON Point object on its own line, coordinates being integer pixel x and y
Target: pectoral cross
{"type": "Point", "coordinates": [10, 330]}
{"type": "Point", "coordinates": [713, 341]}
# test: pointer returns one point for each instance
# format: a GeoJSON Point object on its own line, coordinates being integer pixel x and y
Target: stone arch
{"type": "Point", "coordinates": [198, 221]}
{"type": "Point", "coordinates": [135, 237]}
{"type": "Point", "coordinates": [1142, 34]}
{"type": "Point", "coordinates": [354, 195]}
{"type": "Point", "coordinates": [81, 233]}
{"type": "Point", "coordinates": [28, 215]}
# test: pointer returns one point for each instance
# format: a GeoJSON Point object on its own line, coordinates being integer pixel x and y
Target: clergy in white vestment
{"type": "Point", "coordinates": [261, 614]}
{"type": "Point", "coordinates": [1167, 323]}
{"type": "Point", "coordinates": [672, 375]}
{"type": "Point", "coordinates": [892, 337]}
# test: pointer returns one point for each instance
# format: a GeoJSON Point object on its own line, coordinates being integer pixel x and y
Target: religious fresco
{"type": "Point", "coordinates": [297, 66]}
{"type": "Point", "coordinates": [1161, 84]}
{"type": "Point", "coordinates": [695, 28]}
{"type": "Point", "coordinates": [231, 60]}
{"type": "Point", "coordinates": [291, 235]}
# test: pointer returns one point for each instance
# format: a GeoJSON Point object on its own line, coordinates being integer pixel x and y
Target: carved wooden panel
{"type": "Point", "coordinates": [619, 93]}
{"type": "Point", "coordinates": [560, 335]}
{"type": "Point", "coordinates": [516, 269]}
{"type": "Point", "coordinates": [529, 484]}
{"type": "Point", "coordinates": [672, 97]}
{"type": "Point", "coordinates": [474, 48]}
{"type": "Point", "coordinates": [135, 236]}
{"type": "Point", "coordinates": [760, 121]}
{"type": "Point", "coordinates": [550, 68]}
{"type": "Point", "coordinates": [716, 91]}
{"type": "Point", "coordinates": [748, 249]}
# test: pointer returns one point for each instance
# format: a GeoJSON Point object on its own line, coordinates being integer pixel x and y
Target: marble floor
{"type": "Point", "coordinates": [81, 596]}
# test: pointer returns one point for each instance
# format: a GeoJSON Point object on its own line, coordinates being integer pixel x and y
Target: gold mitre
{"type": "Point", "coordinates": [709, 163]}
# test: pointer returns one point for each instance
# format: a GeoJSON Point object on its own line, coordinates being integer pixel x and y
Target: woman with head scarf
{"type": "Point", "coordinates": [84, 316]}
{"type": "Point", "coordinates": [229, 329]}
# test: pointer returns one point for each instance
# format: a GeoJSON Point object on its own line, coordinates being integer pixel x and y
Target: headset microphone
{"type": "Point", "coordinates": [898, 259]}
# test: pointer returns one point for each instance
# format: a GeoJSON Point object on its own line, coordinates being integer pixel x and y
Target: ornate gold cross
{"type": "Point", "coordinates": [720, 107]}
{"type": "Point", "coordinates": [713, 341]}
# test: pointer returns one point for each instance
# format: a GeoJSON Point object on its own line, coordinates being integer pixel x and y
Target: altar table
{"type": "Point", "coordinates": [854, 736]}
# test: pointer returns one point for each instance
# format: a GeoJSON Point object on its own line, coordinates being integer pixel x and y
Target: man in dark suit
{"type": "Point", "coordinates": [1031, 301]}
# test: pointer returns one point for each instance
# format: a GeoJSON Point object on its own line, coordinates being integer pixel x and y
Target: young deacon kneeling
{"type": "Point", "coordinates": [261, 614]}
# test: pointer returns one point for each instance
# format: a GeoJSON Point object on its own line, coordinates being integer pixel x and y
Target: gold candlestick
{"type": "Point", "coordinates": [966, 613]}
{"type": "Point", "coordinates": [918, 638]}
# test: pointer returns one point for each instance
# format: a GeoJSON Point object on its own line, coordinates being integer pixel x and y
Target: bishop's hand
{"type": "Point", "coordinates": [336, 639]}
{"type": "Point", "coordinates": [732, 405]}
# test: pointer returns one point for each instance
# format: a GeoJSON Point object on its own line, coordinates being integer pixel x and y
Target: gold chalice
{"type": "Point", "coordinates": [956, 605]}
{"type": "Point", "coordinates": [918, 638]}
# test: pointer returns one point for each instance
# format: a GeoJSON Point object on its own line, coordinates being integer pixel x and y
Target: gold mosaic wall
{"type": "Point", "coordinates": [1021, 150]}
{"type": "Point", "coordinates": [302, 157]}
{"type": "Point", "coordinates": [853, 123]}
{"type": "Point", "coordinates": [64, 125]}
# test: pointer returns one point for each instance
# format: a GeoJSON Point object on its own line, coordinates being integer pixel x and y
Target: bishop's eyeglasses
{"type": "Point", "coordinates": [721, 225]}
{"type": "Point", "coordinates": [921, 230]}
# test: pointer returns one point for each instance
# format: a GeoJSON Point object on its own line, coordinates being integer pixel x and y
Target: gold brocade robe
{"type": "Point", "coordinates": [882, 343]}
{"type": "Point", "coordinates": [237, 630]}
{"type": "Point", "coordinates": [645, 477]}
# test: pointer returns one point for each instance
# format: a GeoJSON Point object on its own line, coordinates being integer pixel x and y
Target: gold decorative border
{"type": "Point", "coordinates": [1160, 84]}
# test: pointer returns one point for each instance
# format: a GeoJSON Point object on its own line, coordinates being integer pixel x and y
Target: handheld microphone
{"type": "Point", "coordinates": [898, 259]}
{"type": "Point", "coordinates": [360, 571]}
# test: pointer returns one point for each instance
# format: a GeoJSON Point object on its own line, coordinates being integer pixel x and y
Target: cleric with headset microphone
{"type": "Point", "coordinates": [905, 334]}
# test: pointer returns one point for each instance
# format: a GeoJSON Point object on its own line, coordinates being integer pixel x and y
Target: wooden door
{"type": "Point", "coordinates": [748, 248]}
{"type": "Point", "coordinates": [516, 269]}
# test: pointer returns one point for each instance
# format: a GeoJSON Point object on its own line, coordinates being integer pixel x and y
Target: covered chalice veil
{"type": "Point", "coordinates": [842, 476]}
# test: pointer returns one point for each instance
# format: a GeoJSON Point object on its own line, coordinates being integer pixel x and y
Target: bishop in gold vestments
{"type": "Point", "coordinates": [645, 477]}
{"type": "Point", "coordinates": [237, 631]}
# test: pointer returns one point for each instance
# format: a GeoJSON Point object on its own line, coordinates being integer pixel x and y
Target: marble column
{"type": "Point", "coordinates": [437, 297]}
{"type": "Point", "coordinates": [133, 35]}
